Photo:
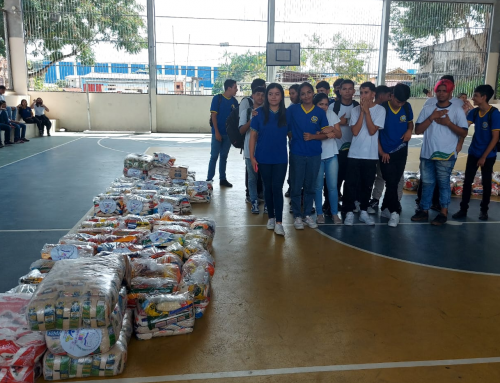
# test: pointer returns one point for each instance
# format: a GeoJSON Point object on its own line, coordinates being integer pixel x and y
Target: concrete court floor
{"type": "Point", "coordinates": [300, 309]}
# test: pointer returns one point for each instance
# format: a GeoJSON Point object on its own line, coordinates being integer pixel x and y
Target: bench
{"type": "Point", "coordinates": [32, 130]}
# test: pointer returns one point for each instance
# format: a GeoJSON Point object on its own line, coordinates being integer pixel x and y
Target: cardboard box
{"type": "Point", "coordinates": [179, 172]}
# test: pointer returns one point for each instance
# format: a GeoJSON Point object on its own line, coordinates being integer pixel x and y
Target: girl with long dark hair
{"type": "Point", "coordinates": [268, 152]}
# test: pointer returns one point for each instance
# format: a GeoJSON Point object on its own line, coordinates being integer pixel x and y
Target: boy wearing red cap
{"type": "Point", "coordinates": [442, 126]}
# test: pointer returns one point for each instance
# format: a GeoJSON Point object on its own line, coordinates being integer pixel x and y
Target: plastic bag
{"type": "Point", "coordinates": [170, 258]}
{"type": "Point", "coordinates": [159, 173]}
{"type": "Point", "coordinates": [108, 364]}
{"type": "Point", "coordinates": [177, 249]}
{"type": "Point", "coordinates": [411, 180]}
{"type": "Point", "coordinates": [117, 247]}
{"type": "Point", "coordinates": [78, 293]}
{"type": "Point", "coordinates": [137, 205]}
{"type": "Point", "coordinates": [126, 180]}
{"type": "Point", "coordinates": [27, 374]}
{"type": "Point", "coordinates": [42, 265]}
{"type": "Point", "coordinates": [140, 287]}
{"type": "Point", "coordinates": [204, 225]}
{"type": "Point", "coordinates": [135, 222]}
{"type": "Point", "coordinates": [57, 252]}
{"type": "Point", "coordinates": [106, 205]}
{"type": "Point", "coordinates": [168, 216]}
{"type": "Point", "coordinates": [149, 268]}
{"type": "Point", "coordinates": [200, 192]}
{"type": "Point", "coordinates": [34, 277]}
{"type": "Point", "coordinates": [174, 229]}
{"type": "Point", "coordinates": [138, 161]}
{"type": "Point", "coordinates": [178, 204]}
{"type": "Point", "coordinates": [198, 235]}
{"type": "Point", "coordinates": [170, 223]}
{"type": "Point", "coordinates": [23, 289]}
{"type": "Point", "coordinates": [193, 246]}
{"type": "Point", "coordinates": [162, 239]}
{"type": "Point", "coordinates": [163, 160]}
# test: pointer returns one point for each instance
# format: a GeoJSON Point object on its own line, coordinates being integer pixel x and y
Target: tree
{"type": "Point", "coordinates": [342, 57]}
{"type": "Point", "coordinates": [418, 24]}
{"type": "Point", "coordinates": [60, 29]}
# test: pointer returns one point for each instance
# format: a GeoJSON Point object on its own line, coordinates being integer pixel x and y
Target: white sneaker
{"type": "Point", "coordinates": [386, 213]}
{"type": "Point", "coordinates": [349, 219]}
{"type": "Point", "coordinates": [371, 210]}
{"type": "Point", "coordinates": [279, 229]}
{"type": "Point", "coordinates": [394, 220]}
{"type": "Point", "coordinates": [356, 209]}
{"type": "Point", "coordinates": [271, 223]}
{"type": "Point", "coordinates": [364, 217]}
{"type": "Point", "coordinates": [298, 224]}
{"type": "Point", "coordinates": [310, 222]}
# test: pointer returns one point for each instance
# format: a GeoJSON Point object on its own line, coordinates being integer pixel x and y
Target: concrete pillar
{"type": "Point", "coordinates": [493, 48]}
{"type": "Point", "coordinates": [17, 50]}
{"type": "Point", "coordinates": [271, 17]}
{"type": "Point", "coordinates": [384, 42]}
{"type": "Point", "coordinates": [152, 64]}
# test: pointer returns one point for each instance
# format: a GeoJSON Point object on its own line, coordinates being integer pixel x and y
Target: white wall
{"type": "Point", "coordinates": [130, 112]}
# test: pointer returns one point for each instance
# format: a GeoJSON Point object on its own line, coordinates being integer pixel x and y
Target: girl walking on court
{"type": "Point", "coordinates": [268, 152]}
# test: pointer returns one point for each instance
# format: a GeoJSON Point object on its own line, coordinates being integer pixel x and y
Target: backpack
{"type": "Point", "coordinates": [218, 107]}
{"type": "Point", "coordinates": [233, 125]}
{"type": "Point", "coordinates": [336, 106]}
{"type": "Point", "coordinates": [490, 114]}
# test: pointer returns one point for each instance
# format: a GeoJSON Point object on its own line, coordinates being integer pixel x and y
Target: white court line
{"type": "Point", "coordinates": [453, 223]}
{"type": "Point", "coordinates": [31, 230]}
{"type": "Point", "coordinates": [403, 260]}
{"type": "Point", "coordinates": [105, 147]}
{"type": "Point", "coordinates": [25, 158]}
{"type": "Point", "coordinates": [299, 370]}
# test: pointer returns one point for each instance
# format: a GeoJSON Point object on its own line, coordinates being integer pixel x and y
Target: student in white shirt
{"type": "Point", "coordinates": [443, 126]}
{"type": "Point", "coordinates": [454, 100]}
{"type": "Point", "coordinates": [329, 167]}
{"type": "Point", "coordinates": [366, 120]}
{"type": "Point", "coordinates": [40, 110]}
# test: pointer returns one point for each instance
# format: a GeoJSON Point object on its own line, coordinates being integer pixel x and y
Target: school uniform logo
{"type": "Point", "coordinates": [485, 125]}
{"type": "Point", "coordinates": [233, 106]}
{"type": "Point", "coordinates": [402, 118]}
{"type": "Point", "coordinates": [314, 119]}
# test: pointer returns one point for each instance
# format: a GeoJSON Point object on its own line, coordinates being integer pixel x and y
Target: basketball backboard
{"type": "Point", "coordinates": [283, 54]}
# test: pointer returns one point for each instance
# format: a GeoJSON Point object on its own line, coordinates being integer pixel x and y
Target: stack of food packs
{"type": "Point", "coordinates": [137, 165]}
{"type": "Point", "coordinates": [20, 348]}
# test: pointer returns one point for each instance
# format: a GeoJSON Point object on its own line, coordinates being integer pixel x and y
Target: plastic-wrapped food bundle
{"type": "Point", "coordinates": [19, 346]}
{"type": "Point", "coordinates": [83, 342]}
{"type": "Point", "coordinates": [23, 289]}
{"type": "Point", "coordinates": [174, 190]}
{"type": "Point", "coordinates": [198, 235]}
{"type": "Point", "coordinates": [27, 374]}
{"type": "Point", "coordinates": [164, 315]}
{"type": "Point", "coordinates": [93, 224]}
{"type": "Point", "coordinates": [150, 185]}
{"type": "Point", "coordinates": [108, 364]}
{"type": "Point", "coordinates": [107, 205]}
{"type": "Point", "coordinates": [172, 203]}
{"type": "Point", "coordinates": [135, 222]}
{"type": "Point", "coordinates": [163, 178]}
{"type": "Point", "coordinates": [58, 252]}
{"type": "Point", "coordinates": [496, 178]}
{"type": "Point", "coordinates": [495, 190]}
{"type": "Point", "coordinates": [159, 224]}
{"type": "Point", "coordinates": [126, 180]}
{"type": "Point", "coordinates": [169, 216]}
{"type": "Point", "coordinates": [163, 160]}
{"type": "Point", "coordinates": [117, 247]}
{"type": "Point", "coordinates": [192, 247]}
{"type": "Point", "coordinates": [136, 164]}
{"type": "Point", "coordinates": [42, 265]}
{"type": "Point", "coordinates": [177, 249]}
{"type": "Point", "coordinates": [170, 258]}
{"type": "Point", "coordinates": [457, 184]}
{"type": "Point", "coordinates": [78, 293]}
{"type": "Point", "coordinates": [140, 287]}
{"type": "Point", "coordinates": [145, 193]}
{"type": "Point", "coordinates": [137, 205]}
{"type": "Point", "coordinates": [180, 172]}
{"type": "Point", "coordinates": [180, 183]}
{"type": "Point", "coordinates": [206, 226]}
{"type": "Point", "coordinates": [149, 252]}
{"type": "Point", "coordinates": [162, 239]}
{"type": "Point", "coordinates": [158, 172]}
{"type": "Point", "coordinates": [95, 231]}
{"type": "Point", "coordinates": [200, 192]}
{"type": "Point", "coordinates": [411, 180]}
{"type": "Point", "coordinates": [119, 190]}
{"type": "Point", "coordinates": [32, 278]}
{"type": "Point", "coordinates": [149, 268]}
{"type": "Point", "coordinates": [174, 229]}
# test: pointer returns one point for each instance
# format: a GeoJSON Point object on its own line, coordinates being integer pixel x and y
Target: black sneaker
{"type": "Point", "coordinates": [48, 134]}
{"type": "Point", "coordinates": [459, 214]}
{"type": "Point", "coordinates": [40, 132]}
{"type": "Point", "coordinates": [25, 139]}
{"type": "Point", "coordinates": [373, 203]}
{"type": "Point", "coordinates": [19, 142]}
{"type": "Point", "coordinates": [436, 208]}
{"type": "Point", "coordinates": [483, 216]}
{"type": "Point", "coordinates": [420, 215]}
{"type": "Point", "coordinates": [226, 183]}
{"type": "Point", "coordinates": [8, 143]}
{"type": "Point", "coordinates": [439, 220]}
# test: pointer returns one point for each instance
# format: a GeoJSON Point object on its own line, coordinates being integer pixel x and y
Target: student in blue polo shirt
{"type": "Point", "coordinates": [305, 156]}
{"type": "Point", "coordinates": [221, 108]}
{"type": "Point", "coordinates": [268, 152]}
{"type": "Point", "coordinates": [393, 148]}
{"type": "Point", "coordinates": [482, 150]}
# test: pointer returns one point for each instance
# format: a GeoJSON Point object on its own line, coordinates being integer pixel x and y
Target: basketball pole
{"type": "Point", "coordinates": [271, 8]}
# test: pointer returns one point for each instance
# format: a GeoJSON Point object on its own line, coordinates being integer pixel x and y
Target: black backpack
{"type": "Point", "coordinates": [233, 125]}
{"type": "Point", "coordinates": [337, 104]}
{"type": "Point", "coordinates": [490, 114]}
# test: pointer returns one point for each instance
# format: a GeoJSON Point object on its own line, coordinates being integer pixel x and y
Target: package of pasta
{"type": "Point", "coordinates": [107, 205]}
{"type": "Point", "coordinates": [83, 342]}
{"type": "Point", "coordinates": [169, 216]}
{"type": "Point", "coordinates": [111, 363]}
{"type": "Point", "coordinates": [94, 225]}
{"type": "Point", "coordinates": [42, 265]}
{"type": "Point", "coordinates": [200, 192]}
{"type": "Point", "coordinates": [149, 268]}
{"type": "Point", "coordinates": [34, 277]}
{"type": "Point", "coordinates": [19, 346]}
{"type": "Point", "coordinates": [157, 311]}
{"type": "Point", "coordinates": [174, 229]}
{"type": "Point", "coordinates": [163, 160]}
{"type": "Point", "coordinates": [162, 239]}
{"type": "Point", "coordinates": [57, 252]}
{"type": "Point", "coordinates": [23, 289]}
{"type": "Point", "coordinates": [168, 257]}
{"type": "Point", "coordinates": [140, 287]}
{"type": "Point", "coordinates": [78, 293]}
{"type": "Point", "coordinates": [137, 205]}
{"type": "Point", "coordinates": [132, 221]}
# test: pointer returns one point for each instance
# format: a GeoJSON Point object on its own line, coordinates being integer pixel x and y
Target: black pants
{"type": "Point", "coordinates": [259, 183]}
{"type": "Point", "coordinates": [342, 157]}
{"type": "Point", "coordinates": [35, 120]}
{"type": "Point", "coordinates": [273, 177]}
{"type": "Point", "coordinates": [392, 173]}
{"type": "Point", "coordinates": [360, 176]}
{"type": "Point", "coordinates": [45, 122]}
{"type": "Point", "coordinates": [470, 172]}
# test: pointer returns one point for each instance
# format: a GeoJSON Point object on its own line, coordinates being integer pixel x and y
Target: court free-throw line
{"type": "Point", "coordinates": [105, 147]}
{"type": "Point", "coordinates": [299, 370]}
{"type": "Point", "coordinates": [43, 151]}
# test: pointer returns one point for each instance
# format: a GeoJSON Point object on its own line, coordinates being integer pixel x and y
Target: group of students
{"type": "Point", "coordinates": [363, 147]}
{"type": "Point", "coordinates": [8, 121]}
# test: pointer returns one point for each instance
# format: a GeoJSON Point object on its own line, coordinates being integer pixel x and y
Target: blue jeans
{"type": "Point", "coordinates": [20, 130]}
{"type": "Point", "coordinates": [303, 174]}
{"type": "Point", "coordinates": [273, 178]}
{"type": "Point", "coordinates": [432, 172]}
{"type": "Point", "coordinates": [253, 179]}
{"type": "Point", "coordinates": [12, 114]}
{"type": "Point", "coordinates": [6, 129]}
{"type": "Point", "coordinates": [328, 169]}
{"type": "Point", "coordinates": [218, 149]}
